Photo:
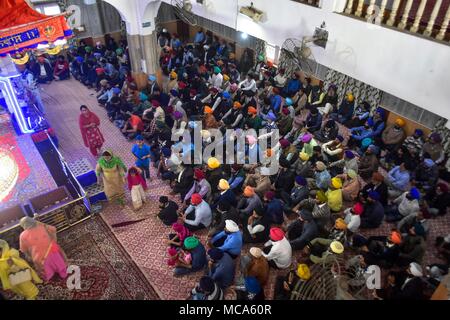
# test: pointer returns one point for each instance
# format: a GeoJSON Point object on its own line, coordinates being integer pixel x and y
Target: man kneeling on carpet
{"type": "Point", "coordinates": [189, 259]}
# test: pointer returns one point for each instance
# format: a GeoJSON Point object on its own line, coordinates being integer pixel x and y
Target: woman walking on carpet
{"type": "Point", "coordinates": [38, 242]}
{"type": "Point", "coordinates": [112, 171]}
{"type": "Point", "coordinates": [89, 127]}
{"type": "Point", "coordinates": [16, 274]}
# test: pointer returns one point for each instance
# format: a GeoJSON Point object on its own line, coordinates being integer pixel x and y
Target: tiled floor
{"type": "Point", "coordinates": [145, 240]}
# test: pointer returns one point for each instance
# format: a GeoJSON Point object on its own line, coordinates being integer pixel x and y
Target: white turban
{"type": "Point", "coordinates": [416, 269]}
{"type": "Point", "coordinates": [231, 226]}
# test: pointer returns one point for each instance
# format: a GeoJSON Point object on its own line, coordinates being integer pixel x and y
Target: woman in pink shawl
{"type": "Point", "coordinates": [38, 242]}
{"type": "Point", "coordinates": [177, 239]}
{"type": "Point", "coordinates": [89, 126]}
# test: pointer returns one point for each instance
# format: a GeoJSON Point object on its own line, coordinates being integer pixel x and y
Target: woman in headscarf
{"type": "Point", "coordinates": [10, 263]}
{"type": "Point", "coordinates": [112, 171]}
{"type": "Point", "coordinates": [89, 127]}
{"type": "Point", "coordinates": [38, 241]}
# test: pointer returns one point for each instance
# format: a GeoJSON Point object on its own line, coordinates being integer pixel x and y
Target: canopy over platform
{"type": "Point", "coordinates": [21, 27]}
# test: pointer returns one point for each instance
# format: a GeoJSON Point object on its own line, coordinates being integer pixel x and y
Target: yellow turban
{"type": "Point", "coordinates": [336, 183]}
{"type": "Point", "coordinates": [350, 97]}
{"type": "Point", "coordinates": [304, 156]}
{"type": "Point", "coordinates": [173, 75]}
{"type": "Point", "coordinates": [400, 122]}
{"type": "Point", "coordinates": [226, 77]}
{"type": "Point", "coordinates": [213, 163]}
{"type": "Point", "coordinates": [303, 272]}
{"type": "Point", "coordinates": [320, 195]}
{"type": "Point", "coordinates": [337, 247]}
{"type": "Point", "coordinates": [223, 185]}
{"type": "Point", "coordinates": [340, 224]}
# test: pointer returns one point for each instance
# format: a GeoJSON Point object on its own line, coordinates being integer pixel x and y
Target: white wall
{"type": "Point", "coordinates": [409, 67]}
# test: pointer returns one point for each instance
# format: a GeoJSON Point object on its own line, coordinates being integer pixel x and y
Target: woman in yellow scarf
{"type": "Point", "coordinates": [10, 262]}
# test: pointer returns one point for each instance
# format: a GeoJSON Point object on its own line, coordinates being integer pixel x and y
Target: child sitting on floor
{"type": "Point", "coordinates": [136, 185]}
{"type": "Point", "coordinates": [178, 256]}
{"type": "Point", "coordinates": [177, 239]}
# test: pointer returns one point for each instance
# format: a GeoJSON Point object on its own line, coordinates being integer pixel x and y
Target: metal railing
{"type": "Point", "coordinates": [429, 18]}
{"type": "Point", "coordinates": [314, 3]}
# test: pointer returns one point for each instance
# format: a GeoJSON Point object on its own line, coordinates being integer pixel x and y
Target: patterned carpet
{"type": "Point", "coordinates": [145, 240]}
{"type": "Point", "coordinates": [34, 177]}
{"type": "Point", "coordinates": [107, 271]}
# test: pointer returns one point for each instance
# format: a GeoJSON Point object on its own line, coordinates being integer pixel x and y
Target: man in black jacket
{"type": "Point", "coordinates": [284, 181]}
{"type": "Point", "coordinates": [413, 287]}
{"type": "Point", "coordinates": [373, 212]}
{"type": "Point", "coordinates": [168, 213]}
{"type": "Point", "coordinates": [183, 181]}
{"type": "Point", "coordinates": [377, 184]}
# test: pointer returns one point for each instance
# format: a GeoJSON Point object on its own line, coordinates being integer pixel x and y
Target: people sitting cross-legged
{"type": "Point", "coordinates": [223, 212]}
{"type": "Point", "coordinates": [251, 290]}
{"type": "Point", "coordinates": [278, 250]}
{"type": "Point", "coordinates": [191, 258]}
{"type": "Point", "coordinates": [285, 285]}
{"type": "Point", "coordinates": [376, 184]}
{"type": "Point", "coordinates": [323, 250]}
{"type": "Point", "coordinates": [274, 208]}
{"type": "Point", "coordinates": [229, 240]}
{"type": "Point", "coordinates": [255, 265]}
{"type": "Point", "coordinates": [404, 205]}
{"type": "Point", "coordinates": [176, 239]}
{"type": "Point", "coordinates": [221, 267]}
{"type": "Point", "coordinates": [225, 195]}
{"type": "Point", "coordinates": [206, 289]}
{"type": "Point", "coordinates": [200, 186]}
{"type": "Point", "coordinates": [249, 202]}
{"type": "Point", "coordinates": [198, 215]}
{"type": "Point", "coordinates": [183, 181]}
{"type": "Point", "coordinates": [302, 231]}
{"type": "Point", "coordinates": [256, 228]}
{"type": "Point", "coordinates": [373, 214]}
{"type": "Point", "coordinates": [168, 211]}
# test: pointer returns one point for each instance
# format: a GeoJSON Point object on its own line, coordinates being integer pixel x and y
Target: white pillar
{"type": "Point", "coordinates": [370, 8]}
{"type": "Point", "coordinates": [429, 29]}
{"type": "Point", "coordinates": [404, 22]}
{"type": "Point", "coordinates": [393, 15]}
{"type": "Point", "coordinates": [441, 34]}
{"type": "Point", "coordinates": [359, 10]}
{"type": "Point", "coordinates": [419, 15]}
{"type": "Point", "coordinates": [380, 17]}
{"type": "Point", "coordinates": [348, 10]}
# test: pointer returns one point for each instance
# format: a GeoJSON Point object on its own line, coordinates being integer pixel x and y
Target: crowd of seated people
{"type": "Point", "coordinates": [343, 169]}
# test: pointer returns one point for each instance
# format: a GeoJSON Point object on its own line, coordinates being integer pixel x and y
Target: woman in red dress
{"type": "Point", "coordinates": [89, 126]}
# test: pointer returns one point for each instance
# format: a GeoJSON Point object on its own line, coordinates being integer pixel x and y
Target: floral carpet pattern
{"type": "Point", "coordinates": [107, 271]}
